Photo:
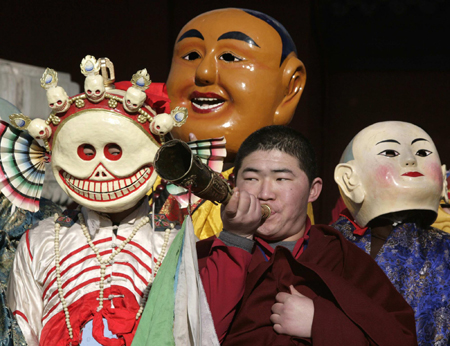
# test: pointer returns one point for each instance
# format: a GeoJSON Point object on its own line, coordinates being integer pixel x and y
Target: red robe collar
{"type": "Point", "coordinates": [358, 229]}
{"type": "Point", "coordinates": [299, 246]}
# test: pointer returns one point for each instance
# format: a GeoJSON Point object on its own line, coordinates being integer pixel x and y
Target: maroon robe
{"type": "Point", "coordinates": [354, 302]}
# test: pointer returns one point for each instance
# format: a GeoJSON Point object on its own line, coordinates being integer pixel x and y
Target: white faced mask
{"type": "Point", "coordinates": [103, 160]}
{"type": "Point", "coordinates": [390, 167]}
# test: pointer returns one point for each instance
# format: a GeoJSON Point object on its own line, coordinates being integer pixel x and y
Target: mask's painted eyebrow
{"type": "Point", "coordinates": [418, 139]}
{"type": "Point", "coordinates": [388, 141]}
{"type": "Point", "coordinates": [237, 35]}
{"type": "Point", "coordinates": [191, 33]}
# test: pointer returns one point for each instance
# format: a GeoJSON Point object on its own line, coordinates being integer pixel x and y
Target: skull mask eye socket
{"type": "Point", "coordinates": [113, 151]}
{"type": "Point", "coordinates": [86, 152]}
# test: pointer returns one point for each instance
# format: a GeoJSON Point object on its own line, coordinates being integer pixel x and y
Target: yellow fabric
{"type": "Point", "coordinates": [310, 213]}
{"type": "Point", "coordinates": [206, 218]}
{"type": "Point", "coordinates": [443, 221]}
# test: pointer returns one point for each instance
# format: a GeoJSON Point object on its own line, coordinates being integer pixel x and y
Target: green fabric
{"type": "Point", "coordinates": [156, 325]}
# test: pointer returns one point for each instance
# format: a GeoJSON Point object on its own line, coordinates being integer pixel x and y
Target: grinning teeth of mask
{"type": "Point", "coordinates": [206, 103]}
{"type": "Point", "coordinates": [106, 191]}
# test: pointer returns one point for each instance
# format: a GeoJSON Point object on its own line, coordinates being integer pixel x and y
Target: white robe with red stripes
{"type": "Point", "coordinates": [33, 291]}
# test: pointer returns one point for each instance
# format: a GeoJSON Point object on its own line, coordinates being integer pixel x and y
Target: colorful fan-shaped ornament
{"type": "Point", "coordinates": [211, 152]}
{"type": "Point", "coordinates": [22, 167]}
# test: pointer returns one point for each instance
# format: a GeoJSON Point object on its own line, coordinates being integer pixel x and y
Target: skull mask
{"type": "Point", "coordinates": [103, 160]}
{"type": "Point", "coordinates": [57, 99]}
{"type": "Point", "coordinates": [134, 99]}
{"type": "Point", "coordinates": [94, 88]}
{"type": "Point", "coordinates": [162, 124]}
{"type": "Point", "coordinates": [39, 129]}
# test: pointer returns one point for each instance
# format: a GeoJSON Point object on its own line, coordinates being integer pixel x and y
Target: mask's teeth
{"type": "Point", "coordinates": [106, 191]}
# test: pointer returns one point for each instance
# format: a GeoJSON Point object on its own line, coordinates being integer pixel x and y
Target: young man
{"type": "Point", "coordinates": [391, 181]}
{"type": "Point", "coordinates": [283, 281]}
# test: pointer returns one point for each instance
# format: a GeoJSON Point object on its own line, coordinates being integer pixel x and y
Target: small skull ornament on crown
{"type": "Point", "coordinates": [99, 93]}
{"type": "Point", "coordinates": [57, 97]}
{"type": "Point", "coordinates": [93, 85]}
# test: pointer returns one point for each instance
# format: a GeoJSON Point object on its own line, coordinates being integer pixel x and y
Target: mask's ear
{"type": "Point", "coordinates": [293, 82]}
{"type": "Point", "coordinates": [445, 185]}
{"type": "Point", "coordinates": [349, 182]}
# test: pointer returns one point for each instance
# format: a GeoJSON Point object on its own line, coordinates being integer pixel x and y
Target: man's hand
{"type": "Point", "coordinates": [293, 314]}
{"type": "Point", "coordinates": [242, 214]}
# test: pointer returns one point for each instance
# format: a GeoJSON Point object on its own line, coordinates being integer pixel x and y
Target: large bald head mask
{"type": "Point", "coordinates": [391, 170]}
{"type": "Point", "coordinates": [235, 71]}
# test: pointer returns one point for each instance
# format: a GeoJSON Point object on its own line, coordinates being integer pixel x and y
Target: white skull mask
{"type": "Point", "coordinates": [94, 88]}
{"type": "Point", "coordinates": [162, 124]}
{"type": "Point", "coordinates": [134, 99]}
{"type": "Point", "coordinates": [39, 129]}
{"type": "Point", "coordinates": [57, 99]}
{"type": "Point", "coordinates": [103, 160]}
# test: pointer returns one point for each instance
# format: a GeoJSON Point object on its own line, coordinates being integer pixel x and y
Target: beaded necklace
{"type": "Point", "coordinates": [103, 263]}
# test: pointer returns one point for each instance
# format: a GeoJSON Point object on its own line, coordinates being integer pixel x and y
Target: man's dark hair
{"type": "Point", "coordinates": [288, 44]}
{"type": "Point", "coordinates": [284, 139]}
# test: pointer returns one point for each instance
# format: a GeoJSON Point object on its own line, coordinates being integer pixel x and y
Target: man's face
{"type": "Point", "coordinates": [226, 72]}
{"type": "Point", "coordinates": [276, 179]}
{"type": "Point", "coordinates": [399, 167]}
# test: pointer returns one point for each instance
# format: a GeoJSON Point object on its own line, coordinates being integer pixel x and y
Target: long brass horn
{"type": "Point", "coordinates": [176, 163]}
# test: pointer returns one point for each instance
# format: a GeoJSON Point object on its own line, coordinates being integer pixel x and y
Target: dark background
{"type": "Point", "coordinates": [367, 61]}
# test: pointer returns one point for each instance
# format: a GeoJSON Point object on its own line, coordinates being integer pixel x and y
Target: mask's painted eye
{"type": "Point", "coordinates": [423, 152]}
{"type": "Point", "coordinates": [228, 57]}
{"type": "Point", "coordinates": [113, 151]}
{"type": "Point", "coordinates": [389, 153]}
{"type": "Point", "coordinates": [86, 152]}
{"type": "Point", "coordinates": [191, 56]}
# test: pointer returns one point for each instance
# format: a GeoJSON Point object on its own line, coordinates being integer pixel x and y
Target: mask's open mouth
{"type": "Point", "coordinates": [109, 190]}
{"type": "Point", "coordinates": [206, 102]}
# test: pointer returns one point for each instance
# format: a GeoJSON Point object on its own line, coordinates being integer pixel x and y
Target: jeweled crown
{"type": "Point", "coordinates": [138, 101]}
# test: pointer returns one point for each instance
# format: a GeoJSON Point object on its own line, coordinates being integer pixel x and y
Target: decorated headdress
{"type": "Point", "coordinates": [143, 104]}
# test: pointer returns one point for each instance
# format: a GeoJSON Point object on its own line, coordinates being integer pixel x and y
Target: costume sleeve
{"type": "Point", "coordinates": [391, 318]}
{"type": "Point", "coordinates": [24, 294]}
{"type": "Point", "coordinates": [223, 270]}
{"type": "Point", "coordinates": [366, 298]}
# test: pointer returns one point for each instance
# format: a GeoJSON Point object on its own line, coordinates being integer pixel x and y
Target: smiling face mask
{"type": "Point", "coordinates": [392, 170]}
